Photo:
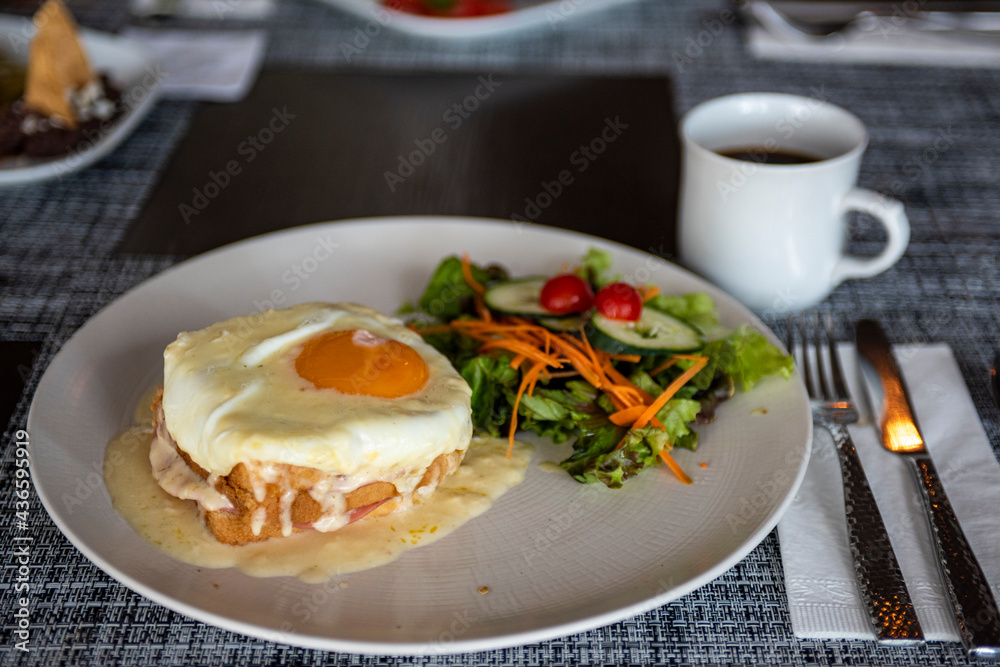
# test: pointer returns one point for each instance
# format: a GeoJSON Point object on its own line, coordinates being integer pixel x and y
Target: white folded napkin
{"type": "Point", "coordinates": [216, 66]}
{"type": "Point", "coordinates": [896, 40]}
{"type": "Point", "coordinates": [823, 596]}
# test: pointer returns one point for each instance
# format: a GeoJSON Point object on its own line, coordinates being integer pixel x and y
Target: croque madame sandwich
{"type": "Point", "coordinates": [310, 417]}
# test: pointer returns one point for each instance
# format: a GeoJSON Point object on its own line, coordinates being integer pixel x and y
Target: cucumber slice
{"type": "Point", "coordinates": [518, 297]}
{"type": "Point", "coordinates": [564, 324]}
{"type": "Point", "coordinates": [653, 333]}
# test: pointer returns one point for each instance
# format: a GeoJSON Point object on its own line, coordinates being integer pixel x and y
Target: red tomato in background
{"type": "Point", "coordinates": [450, 8]}
{"type": "Point", "coordinates": [565, 294]}
{"type": "Point", "coordinates": [619, 301]}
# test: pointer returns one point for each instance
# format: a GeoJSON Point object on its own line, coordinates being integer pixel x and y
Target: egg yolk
{"type": "Point", "coordinates": [357, 361]}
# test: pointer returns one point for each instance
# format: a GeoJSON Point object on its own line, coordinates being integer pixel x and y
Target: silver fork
{"type": "Point", "coordinates": [877, 571]}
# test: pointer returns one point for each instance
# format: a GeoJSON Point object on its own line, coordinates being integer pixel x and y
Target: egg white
{"type": "Point", "coordinates": [231, 394]}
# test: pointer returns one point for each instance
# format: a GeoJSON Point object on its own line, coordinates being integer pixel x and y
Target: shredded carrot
{"type": "Point", "coordinates": [669, 460]}
{"type": "Point", "coordinates": [620, 379]}
{"type": "Point", "coordinates": [669, 392]}
{"type": "Point", "coordinates": [545, 351]}
{"type": "Point", "coordinates": [581, 364]}
{"type": "Point", "coordinates": [534, 380]}
{"type": "Point", "coordinates": [648, 413]}
{"type": "Point", "coordinates": [481, 308]}
{"type": "Point", "coordinates": [522, 348]}
{"type": "Point", "coordinates": [467, 274]}
{"type": "Point", "coordinates": [648, 292]}
{"type": "Point", "coordinates": [627, 415]}
{"type": "Point", "coordinates": [590, 349]}
{"type": "Point", "coordinates": [617, 402]}
{"type": "Point", "coordinates": [528, 380]}
{"type": "Point", "coordinates": [664, 366]}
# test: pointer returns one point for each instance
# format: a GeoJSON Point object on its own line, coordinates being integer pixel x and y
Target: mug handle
{"type": "Point", "coordinates": [890, 213]}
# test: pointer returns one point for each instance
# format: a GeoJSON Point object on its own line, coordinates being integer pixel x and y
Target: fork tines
{"type": "Point", "coordinates": [821, 371]}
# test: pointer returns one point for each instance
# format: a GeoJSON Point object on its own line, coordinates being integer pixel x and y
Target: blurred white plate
{"type": "Point", "coordinates": [558, 557]}
{"type": "Point", "coordinates": [525, 14]}
{"type": "Point", "coordinates": [127, 66]}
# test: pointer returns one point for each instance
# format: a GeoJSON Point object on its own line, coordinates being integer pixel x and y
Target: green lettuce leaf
{"type": "Point", "coordinates": [493, 383]}
{"type": "Point", "coordinates": [448, 295]}
{"type": "Point", "coordinates": [675, 417]}
{"type": "Point", "coordinates": [746, 356]}
{"type": "Point", "coordinates": [594, 268]}
{"type": "Point", "coordinates": [596, 460]}
{"type": "Point", "coordinates": [696, 308]}
{"type": "Point", "coordinates": [458, 348]}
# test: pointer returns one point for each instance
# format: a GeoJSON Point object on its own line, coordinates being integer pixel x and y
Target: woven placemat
{"type": "Point", "coordinates": [934, 137]}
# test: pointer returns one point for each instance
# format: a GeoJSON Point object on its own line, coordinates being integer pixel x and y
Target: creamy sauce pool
{"type": "Point", "coordinates": [176, 527]}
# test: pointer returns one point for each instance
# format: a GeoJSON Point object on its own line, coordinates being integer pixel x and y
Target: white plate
{"type": "Point", "coordinates": [526, 14]}
{"type": "Point", "coordinates": [122, 60]}
{"type": "Point", "coordinates": [558, 557]}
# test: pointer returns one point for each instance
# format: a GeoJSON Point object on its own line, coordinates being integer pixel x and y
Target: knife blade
{"type": "Point", "coordinates": [968, 590]}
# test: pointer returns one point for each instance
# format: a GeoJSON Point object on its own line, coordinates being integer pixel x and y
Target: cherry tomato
{"type": "Point", "coordinates": [477, 8]}
{"type": "Point", "coordinates": [565, 294]}
{"type": "Point", "coordinates": [619, 301]}
{"type": "Point", "coordinates": [449, 8]}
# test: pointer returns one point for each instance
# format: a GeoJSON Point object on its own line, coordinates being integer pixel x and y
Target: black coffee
{"type": "Point", "coordinates": [764, 156]}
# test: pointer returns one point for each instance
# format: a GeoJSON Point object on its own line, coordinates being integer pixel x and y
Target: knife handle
{"type": "Point", "coordinates": [975, 608]}
{"type": "Point", "coordinates": [883, 589]}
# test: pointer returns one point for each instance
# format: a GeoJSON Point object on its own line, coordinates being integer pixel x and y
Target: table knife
{"type": "Point", "coordinates": [969, 592]}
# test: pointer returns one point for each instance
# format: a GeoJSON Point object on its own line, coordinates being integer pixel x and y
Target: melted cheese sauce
{"type": "Point", "coordinates": [175, 526]}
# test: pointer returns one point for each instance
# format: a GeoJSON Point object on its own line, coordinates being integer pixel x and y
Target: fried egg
{"type": "Point", "coordinates": [336, 387]}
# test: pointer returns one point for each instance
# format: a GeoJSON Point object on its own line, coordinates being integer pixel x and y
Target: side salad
{"type": "Point", "coordinates": [626, 370]}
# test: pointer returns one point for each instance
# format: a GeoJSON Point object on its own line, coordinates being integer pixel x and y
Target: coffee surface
{"type": "Point", "coordinates": [762, 155]}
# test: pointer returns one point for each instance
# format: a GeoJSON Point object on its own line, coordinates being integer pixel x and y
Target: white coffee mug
{"type": "Point", "coordinates": [770, 234]}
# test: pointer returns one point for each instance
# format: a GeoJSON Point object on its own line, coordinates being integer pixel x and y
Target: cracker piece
{"type": "Point", "coordinates": [57, 65]}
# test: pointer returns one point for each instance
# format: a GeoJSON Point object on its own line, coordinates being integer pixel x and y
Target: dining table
{"type": "Point", "coordinates": [359, 97]}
